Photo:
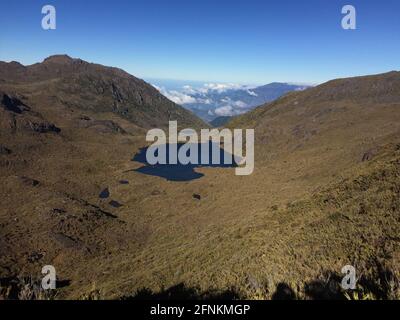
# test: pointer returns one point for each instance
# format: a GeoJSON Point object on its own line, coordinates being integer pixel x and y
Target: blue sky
{"type": "Point", "coordinates": [252, 42]}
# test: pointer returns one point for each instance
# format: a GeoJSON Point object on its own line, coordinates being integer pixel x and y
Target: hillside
{"type": "Point", "coordinates": [324, 194]}
{"type": "Point", "coordinates": [382, 88]}
{"type": "Point", "coordinates": [334, 124]}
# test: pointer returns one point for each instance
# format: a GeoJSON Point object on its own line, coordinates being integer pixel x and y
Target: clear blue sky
{"type": "Point", "coordinates": [230, 41]}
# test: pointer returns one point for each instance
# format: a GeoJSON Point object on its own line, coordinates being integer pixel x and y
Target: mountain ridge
{"type": "Point", "coordinates": [379, 85]}
{"type": "Point", "coordinates": [97, 88]}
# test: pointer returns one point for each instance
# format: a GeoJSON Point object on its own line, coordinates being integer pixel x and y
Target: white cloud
{"type": "Point", "coordinates": [189, 90]}
{"type": "Point", "coordinates": [238, 103]}
{"type": "Point", "coordinates": [224, 111]}
{"type": "Point", "coordinates": [203, 96]}
{"type": "Point", "coordinates": [179, 97]}
{"type": "Point", "coordinates": [214, 98]}
{"type": "Point", "coordinates": [220, 87]}
{"type": "Point", "coordinates": [252, 93]}
{"type": "Point", "coordinates": [227, 111]}
{"type": "Point", "coordinates": [157, 87]}
{"type": "Point", "coordinates": [176, 96]}
{"type": "Point", "coordinates": [301, 88]}
{"type": "Point", "coordinates": [205, 101]}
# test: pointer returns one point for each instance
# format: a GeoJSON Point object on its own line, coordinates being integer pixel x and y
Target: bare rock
{"type": "Point", "coordinates": [367, 156]}
{"type": "Point", "coordinates": [4, 150]}
{"type": "Point", "coordinates": [29, 181]}
{"type": "Point", "coordinates": [12, 104]}
{"type": "Point", "coordinates": [196, 196]}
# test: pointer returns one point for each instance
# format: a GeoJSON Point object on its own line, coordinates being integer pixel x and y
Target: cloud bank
{"type": "Point", "coordinates": [211, 96]}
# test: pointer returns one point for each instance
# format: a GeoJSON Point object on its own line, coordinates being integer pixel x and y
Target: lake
{"type": "Point", "coordinates": [182, 172]}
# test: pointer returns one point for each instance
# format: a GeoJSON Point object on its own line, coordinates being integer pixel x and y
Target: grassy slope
{"type": "Point", "coordinates": [310, 207]}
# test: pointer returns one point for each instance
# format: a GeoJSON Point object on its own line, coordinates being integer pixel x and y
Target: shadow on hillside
{"type": "Point", "coordinates": [382, 284]}
{"type": "Point", "coordinates": [385, 287]}
{"type": "Point", "coordinates": [283, 292]}
{"type": "Point", "coordinates": [327, 288]}
{"type": "Point", "coordinates": [182, 292]}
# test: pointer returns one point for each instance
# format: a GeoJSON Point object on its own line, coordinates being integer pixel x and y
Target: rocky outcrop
{"type": "Point", "coordinates": [4, 150]}
{"type": "Point", "coordinates": [16, 115]}
{"type": "Point", "coordinates": [102, 126]}
{"type": "Point", "coordinates": [12, 104]}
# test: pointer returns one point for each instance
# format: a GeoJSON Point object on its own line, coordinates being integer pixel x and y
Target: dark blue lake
{"type": "Point", "coordinates": [182, 172]}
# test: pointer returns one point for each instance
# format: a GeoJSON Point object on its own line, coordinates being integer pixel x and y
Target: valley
{"type": "Point", "coordinates": [323, 194]}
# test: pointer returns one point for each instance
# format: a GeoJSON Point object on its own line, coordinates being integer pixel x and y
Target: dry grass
{"type": "Point", "coordinates": [24, 289]}
{"type": "Point", "coordinates": [310, 207]}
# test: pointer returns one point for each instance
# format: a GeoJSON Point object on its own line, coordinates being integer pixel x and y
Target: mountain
{"type": "Point", "coordinates": [78, 84]}
{"type": "Point", "coordinates": [212, 100]}
{"type": "Point", "coordinates": [341, 97]}
{"type": "Point", "coordinates": [332, 125]}
{"type": "Point", "coordinates": [324, 194]}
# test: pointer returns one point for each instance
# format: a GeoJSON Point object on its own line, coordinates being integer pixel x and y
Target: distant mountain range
{"type": "Point", "coordinates": [210, 101]}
